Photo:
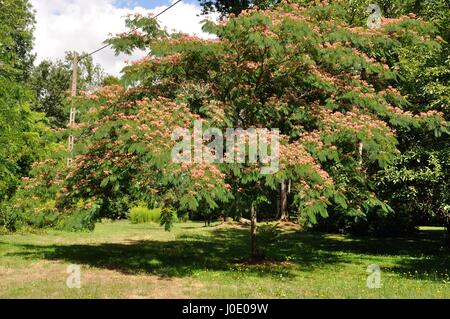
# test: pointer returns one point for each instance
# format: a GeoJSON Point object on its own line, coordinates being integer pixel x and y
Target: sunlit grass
{"type": "Point", "coordinates": [121, 260]}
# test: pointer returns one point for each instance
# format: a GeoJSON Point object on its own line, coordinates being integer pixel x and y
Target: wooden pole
{"type": "Point", "coordinates": [73, 110]}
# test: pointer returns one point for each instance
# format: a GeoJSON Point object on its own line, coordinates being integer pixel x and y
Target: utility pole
{"type": "Point", "coordinates": [73, 109]}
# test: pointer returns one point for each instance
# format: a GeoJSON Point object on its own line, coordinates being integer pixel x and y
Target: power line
{"type": "Point", "coordinates": [168, 8]}
{"type": "Point", "coordinates": [98, 50]}
{"type": "Point", "coordinates": [108, 45]}
{"type": "Point", "coordinates": [73, 109]}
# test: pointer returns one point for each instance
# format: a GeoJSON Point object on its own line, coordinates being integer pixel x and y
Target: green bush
{"type": "Point", "coordinates": [142, 214]}
{"type": "Point", "coordinates": [8, 218]}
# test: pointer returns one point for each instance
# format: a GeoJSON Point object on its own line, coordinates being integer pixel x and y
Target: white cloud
{"type": "Point", "coordinates": [83, 25]}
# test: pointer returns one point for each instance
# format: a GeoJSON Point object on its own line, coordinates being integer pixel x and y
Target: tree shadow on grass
{"type": "Point", "coordinates": [219, 251]}
{"type": "Point", "coordinates": [421, 256]}
{"type": "Point", "coordinates": [178, 258]}
{"type": "Point", "coordinates": [424, 243]}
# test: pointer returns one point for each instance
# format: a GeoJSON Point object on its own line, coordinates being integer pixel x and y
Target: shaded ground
{"type": "Point", "coordinates": [142, 261]}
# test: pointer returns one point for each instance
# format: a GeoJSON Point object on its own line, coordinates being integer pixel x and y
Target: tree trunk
{"type": "Point", "coordinates": [283, 201]}
{"type": "Point", "coordinates": [360, 152]}
{"type": "Point", "coordinates": [254, 248]}
{"type": "Point", "coordinates": [278, 202]}
{"type": "Point", "coordinates": [447, 235]}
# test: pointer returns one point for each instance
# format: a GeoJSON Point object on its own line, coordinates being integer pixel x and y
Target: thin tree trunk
{"type": "Point", "coordinates": [447, 237]}
{"type": "Point", "coordinates": [254, 248]}
{"type": "Point", "coordinates": [278, 202]}
{"type": "Point", "coordinates": [283, 201]}
{"type": "Point", "coordinates": [360, 152]}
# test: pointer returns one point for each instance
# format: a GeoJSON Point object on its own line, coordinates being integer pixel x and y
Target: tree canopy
{"type": "Point", "coordinates": [19, 126]}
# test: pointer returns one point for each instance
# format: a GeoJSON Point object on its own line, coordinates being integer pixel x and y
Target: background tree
{"type": "Point", "coordinates": [417, 185]}
{"type": "Point", "coordinates": [51, 80]}
{"type": "Point", "coordinates": [16, 39]}
{"type": "Point", "coordinates": [19, 127]}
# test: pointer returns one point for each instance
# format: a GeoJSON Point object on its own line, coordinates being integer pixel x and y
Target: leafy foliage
{"type": "Point", "coordinates": [20, 128]}
{"type": "Point", "coordinates": [16, 39]}
{"type": "Point", "coordinates": [168, 218]}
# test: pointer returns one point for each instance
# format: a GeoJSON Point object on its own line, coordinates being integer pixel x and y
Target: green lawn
{"type": "Point", "coordinates": [121, 260]}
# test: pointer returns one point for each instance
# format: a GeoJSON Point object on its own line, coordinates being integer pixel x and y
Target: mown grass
{"type": "Point", "coordinates": [122, 260]}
